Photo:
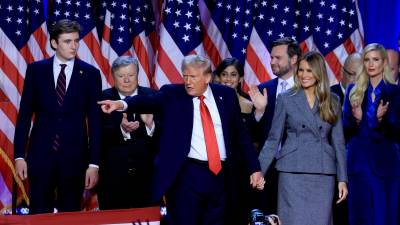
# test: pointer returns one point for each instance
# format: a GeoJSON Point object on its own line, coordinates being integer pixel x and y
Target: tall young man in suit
{"type": "Point", "coordinates": [285, 53]}
{"type": "Point", "coordinates": [203, 144]}
{"type": "Point", "coordinates": [129, 146]}
{"type": "Point", "coordinates": [348, 74]}
{"type": "Point", "coordinates": [60, 94]}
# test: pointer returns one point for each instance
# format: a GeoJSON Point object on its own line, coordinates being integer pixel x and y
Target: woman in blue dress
{"type": "Point", "coordinates": [371, 120]}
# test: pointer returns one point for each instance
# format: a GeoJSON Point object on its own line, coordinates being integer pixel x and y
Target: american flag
{"type": "Point", "coordinates": [89, 50]}
{"type": "Point", "coordinates": [332, 27]}
{"type": "Point", "coordinates": [23, 35]}
{"type": "Point", "coordinates": [129, 29]}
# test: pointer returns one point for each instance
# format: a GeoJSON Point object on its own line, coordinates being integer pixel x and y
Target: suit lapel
{"type": "Point", "coordinates": [305, 110]}
{"type": "Point", "coordinates": [272, 93]}
{"type": "Point", "coordinates": [50, 81]}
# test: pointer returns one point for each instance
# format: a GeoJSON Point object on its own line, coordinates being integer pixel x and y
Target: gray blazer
{"type": "Point", "coordinates": [312, 145]}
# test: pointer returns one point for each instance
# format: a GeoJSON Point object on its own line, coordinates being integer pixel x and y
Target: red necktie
{"type": "Point", "coordinates": [214, 160]}
{"type": "Point", "coordinates": [61, 89]}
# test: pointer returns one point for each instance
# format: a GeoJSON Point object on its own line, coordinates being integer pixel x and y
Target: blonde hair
{"type": "Point", "coordinates": [328, 106]}
{"type": "Point", "coordinates": [362, 78]}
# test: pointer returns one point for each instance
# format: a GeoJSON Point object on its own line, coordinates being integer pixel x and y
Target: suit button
{"type": "Point", "coordinates": [303, 126]}
{"type": "Point", "coordinates": [132, 171]}
{"type": "Point", "coordinates": [320, 127]}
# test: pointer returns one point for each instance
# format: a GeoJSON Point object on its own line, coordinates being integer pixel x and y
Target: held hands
{"type": "Point", "coordinates": [147, 119]}
{"type": "Point", "coordinates": [128, 126]}
{"type": "Point", "coordinates": [343, 192]}
{"type": "Point", "coordinates": [356, 110]}
{"type": "Point", "coordinates": [109, 106]}
{"type": "Point", "coordinates": [260, 100]}
{"type": "Point", "coordinates": [382, 109]}
{"type": "Point", "coordinates": [21, 169]}
{"type": "Point", "coordinates": [92, 176]}
{"type": "Point", "coordinates": [257, 180]}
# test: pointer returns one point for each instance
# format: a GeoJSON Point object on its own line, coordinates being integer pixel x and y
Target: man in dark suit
{"type": "Point", "coordinates": [129, 148]}
{"type": "Point", "coordinates": [348, 74]}
{"type": "Point", "coordinates": [394, 63]}
{"type": "Point", "coordinates": [284, 56]}
{"type": "Point", "coordinates": [60, 93]}
{"type": "Point", "coordinates": [202, 144]}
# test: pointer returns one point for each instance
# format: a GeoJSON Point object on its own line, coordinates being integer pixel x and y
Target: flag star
{"type": "Point", "coordinates": [295, 26]}
{"type": "Point", "coordinates": [8, 19]}
{"type": "Point", "coordinates": [247, 12]}
{"type": "Point", "coordinates": [190, 3]}
{"type": "Point", "coordinates": [120, 40]}
{"type": "Point", "coordinates": [331, 19]}
{"type": "Point", "coordinates": [261, 16]}
{"type": "Point", "coordinates": [229, 7]}
{"type": "Point", "coordinates": [112, 15]}
{"type": "Point", "coordinates": [104, 4]}
{"type": "Point", "coordinates": [187, 26]}
{"type": "Point", "coordinates": [237, 9]}
{"type": "Point", "coordinates": [281, 35]}
{"type": "Point", "coordinates": [20, 8]}
{"type": "Point", "coordinates": [78, 3]}
{"type": "Point", "coordinates": [124, 6]}
{"type": "Point", "coordinates": [246, 24]}
{"type": "Point", "coordinates": [264, 3]}
{"type": "Point", "coordinates": [123, 17]}
{"type": "Point", "coordinates": [185, 38]}
{"type": "Point", "coordinates": [219, 4]}
{"type": "Point", "coordinates": [269, 32]}
{"type": "Point", "coordinates": [36, 11]}
{"type": "Point", "coordinates": [286, 9]}
{"type": "Point", "coordinates": [344, 9]}
{"type": "Point", "coordinates": [146, 6]}
{"type": "Point", "coordinates": [178, 12]}
{"type": "Point", "coordinates": [234, 35]}
{"type": "Point", "coordinates": [317, 28]}
{"type": "Point", "coordinates": [189, 14]}
{"type": "Point", "coordinates": [326, 45]}
{"type": "Point", "coordinates": [243, 51]}
{"type": "Point", "coordinates": [297, 13]}
{"type": "Point", "coordinates": [328, 32]}
{"type": "Point", "coordinates": [308, 14]}
{"type": "Point", "coordinates": [342, 23]}
{"type": "Point", "coordinates": [66, 14]}
{"type": "Point", "coordinates": [167, 10]}
{"type": "Point", "coordinates": [227, 20]}
{"type": "Point", "coordinates": [37, 1]}
{"type": "Point", "coordinates": [322, 3]}
{"type": "Point", "coordinates": [350, 25]}
{"type": "Point", "coordinates": [197, 28]}
{"type": "Point", "coordinates": [294, 37]}
{"type": "Point", "coordinates": [76, 15]}
{"type": "Point", "coordinates": [136, 20]}
{"type": "Point", "coordinates": [245, 37]}
{"type": "Point", "coordinates": [333, 6]}
{"type": "Point", "coordinates": [272, 19]}
{"type": "Point", "coordinates": [68, 2]}
{"type": "Point", "coordinates": [180, 1]}
{"type": "Point", "coordinates": [18, 32]}
{"type": "Point", "coordinates": [283, 22]}
{"type": "Point", "coordinates": [236, 22]}
{"type": "Point", "coordinates": [176, 24]}
{"type": "Point", "coordinates": [58, 1]}
{"type": "Point", "coordinates": [113, 4]}
{"type": "Point", "coordinates": [57, 13]}
{"type": "Point", "coordinates": [121, 29]}
{"type": "Point", "coordinates": [320, 16]}
{"type": "Point", "coordinates": [275, 6]}
{"type": "Point", "coordinates": [306, 28]}
{"type": "Point", "coordinates": [340, 35]}
{"type": "Point", "coordinates": [87, 16]}
{"type": "Point", "coordinates": [10, 8]}
{"type": "Point", "coordinates": [138, 9]}
{"type": "Point", "coordinates": [351, 12]}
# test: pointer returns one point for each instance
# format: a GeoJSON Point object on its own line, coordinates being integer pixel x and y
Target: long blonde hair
{"type": "Point", "coordinates": [362, 78]}
{"type": "Point", "coordinates": [327, 107]}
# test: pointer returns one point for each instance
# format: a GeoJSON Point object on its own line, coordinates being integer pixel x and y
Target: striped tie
{"type": "Point", "coordinates": [61, 85]}
{"type": "Point", "coordinates": [60, 90]}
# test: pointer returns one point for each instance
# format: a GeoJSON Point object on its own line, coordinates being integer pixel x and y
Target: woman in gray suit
{"type": "Point", "coordinates": [313, 149]}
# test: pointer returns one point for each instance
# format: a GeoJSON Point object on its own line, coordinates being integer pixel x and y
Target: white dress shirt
{"type": "Point", "coordinates": [198, 144]}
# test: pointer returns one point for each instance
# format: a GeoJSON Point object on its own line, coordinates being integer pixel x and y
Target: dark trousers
{"type": "Point", "coordinates": [198, 197]}
{"type": "Point", "coordinates": [53, 187]}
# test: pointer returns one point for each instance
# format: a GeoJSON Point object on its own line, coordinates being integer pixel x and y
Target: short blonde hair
{"type": "Point", "coordinates": [197, 61]}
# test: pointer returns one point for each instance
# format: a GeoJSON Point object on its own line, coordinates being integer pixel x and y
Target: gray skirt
{"type": "Point", "coordinates": [305, 199]}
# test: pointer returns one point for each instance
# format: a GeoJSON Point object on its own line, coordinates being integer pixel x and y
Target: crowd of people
{"type": "Point", "coordinates": [292, 146]}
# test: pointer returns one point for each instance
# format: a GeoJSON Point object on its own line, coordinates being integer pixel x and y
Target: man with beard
{"type": "Point", "coordinates": [284, 56]}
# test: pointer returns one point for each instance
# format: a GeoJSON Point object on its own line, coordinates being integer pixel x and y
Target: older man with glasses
{"type": "Point", "coordinates": [348, 75]}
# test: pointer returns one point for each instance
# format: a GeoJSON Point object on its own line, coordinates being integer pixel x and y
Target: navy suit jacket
{"type": "Point", "coordinates": [77, 121]}
{"type": "Point", "coordinates": [176, 109]}
{"type": "Point", "coordinates": [337, 89]}
{"type": "Point", "coordinates": [374, 148]}
{"type": "Point", "coordinates": [263, 126]}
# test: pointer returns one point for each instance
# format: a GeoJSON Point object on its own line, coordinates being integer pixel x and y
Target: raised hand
{"type": "Point", "coordinates": [357, 110]}
{"type": "Point", "coordinates": [109, 106]}
{"type": "Point", "coordinates": [382, 109]}
{"type": "Point", "coordinates": [260, 100]}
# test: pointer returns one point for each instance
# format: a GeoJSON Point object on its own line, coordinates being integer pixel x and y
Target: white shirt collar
{"type": "Point", "coordinates": [290, 82]}
{"type": "Point", "coordinates": [133, 94]}
{"type": "Point", "coordinates": [208, 93]}
{"type": "Point", "coordinates": [70, 63]}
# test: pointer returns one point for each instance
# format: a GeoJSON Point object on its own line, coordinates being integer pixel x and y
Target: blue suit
{"type": "Point", "coordinates": [373, 160]}
{"type": "Point", "coordinates": [78, 124]}
{"type": "Point", "coordinates": [176, 109]}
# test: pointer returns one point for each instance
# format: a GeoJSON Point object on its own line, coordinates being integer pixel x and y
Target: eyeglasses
{"type": "Point", "coordinates": [353, 74]}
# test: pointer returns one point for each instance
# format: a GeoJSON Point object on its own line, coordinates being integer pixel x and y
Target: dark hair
{"type": "Point", "coordinates": [293, 47]}
{"type": "Point", "coordinates": [63, 26]}
{"type": "Point", "coordinates": [238, 66]}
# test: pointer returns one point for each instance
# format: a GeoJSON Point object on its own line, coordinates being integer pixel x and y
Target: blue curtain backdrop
{"type": "Point", "coordinates": [381, 20]}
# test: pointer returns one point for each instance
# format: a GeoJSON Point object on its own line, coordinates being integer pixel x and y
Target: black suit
{"type": "Point", "coordinates": [126, 165]}
{"type": "Point", "coordinates": [337, 89]}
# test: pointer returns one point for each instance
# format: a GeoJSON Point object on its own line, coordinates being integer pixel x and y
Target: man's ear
{"type": "Point", "coordinates": [53, 43]}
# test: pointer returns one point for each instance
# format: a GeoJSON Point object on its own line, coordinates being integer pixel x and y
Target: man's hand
{"type": "Point", "coordinates": [128, 126]}
{"type": "Point", "coordinates": [382, 109]}
{"type": "Point", "coordinates": [260, 100]}
{"type": "Point", "coordinates": [343, 192]}
{"type": "Point", "coordinates": [147, 119]}
{"type": "Point", "coordinates": [21, 168]}
{"type": "Point", "coordinates": [92, 176]}
{"type": "Point", "coordinates": [109, 106]}
{"type": "Point", "coordinates": [257, 180]}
